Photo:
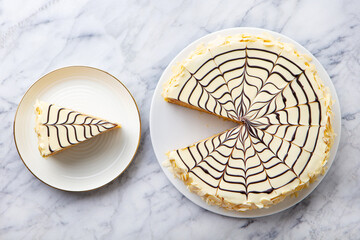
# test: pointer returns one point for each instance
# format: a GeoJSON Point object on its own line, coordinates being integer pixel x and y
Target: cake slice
{"type": "Point", "coordinates": [61, 128]}
{"type": "Point", "coordinates": [198, 84]}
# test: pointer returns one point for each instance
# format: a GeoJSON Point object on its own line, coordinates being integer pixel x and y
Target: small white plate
{"type": "Point", "coordinates": [93, 163]}
{"type": "Point", "coordinates": [173, 126]}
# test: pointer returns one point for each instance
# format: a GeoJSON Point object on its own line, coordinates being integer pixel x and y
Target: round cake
{"type": "Point", "coordinates": [283, 112]}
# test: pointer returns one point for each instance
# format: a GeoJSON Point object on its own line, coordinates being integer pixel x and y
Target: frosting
{"type": "Point", "coordinates": [59, 128]}
{"type": "Point", "coordinates": [284, 115]}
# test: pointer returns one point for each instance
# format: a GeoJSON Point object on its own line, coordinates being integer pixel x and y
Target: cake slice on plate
{"type": "Point", "coordinates": [61, 128]}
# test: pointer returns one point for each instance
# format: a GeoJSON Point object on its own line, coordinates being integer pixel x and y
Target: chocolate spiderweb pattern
{"type": "Point", "coordinates": [282, 120]}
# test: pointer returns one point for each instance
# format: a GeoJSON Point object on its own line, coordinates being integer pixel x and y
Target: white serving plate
{"type": "Point", "coordinates": [95, 162]}
{"type": "Point", "coordinates": [173, 126]}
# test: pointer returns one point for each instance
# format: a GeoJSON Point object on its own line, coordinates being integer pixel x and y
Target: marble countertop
{"type": "Point", "coordinates": [135, 41]}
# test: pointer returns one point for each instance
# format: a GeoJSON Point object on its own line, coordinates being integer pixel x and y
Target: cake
{"type": "Point", "coordinates": [60, 128]}
{"type": "Point", "coordinates": [283, 113]}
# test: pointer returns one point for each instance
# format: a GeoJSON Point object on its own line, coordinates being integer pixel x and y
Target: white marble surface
{"type": "Point", "coordinates": [135, 40]}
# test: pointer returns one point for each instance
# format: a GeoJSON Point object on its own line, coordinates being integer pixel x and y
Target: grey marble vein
{"type": "Point", "coordinates": [135, 41]}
